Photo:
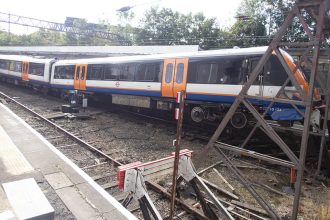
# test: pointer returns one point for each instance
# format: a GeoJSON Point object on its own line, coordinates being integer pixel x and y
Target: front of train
{"type": "Point", "coordinates": [296, 96]}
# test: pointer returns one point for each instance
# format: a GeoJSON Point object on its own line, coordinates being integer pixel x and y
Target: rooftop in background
{"type": "Point", "coordinates": [96, 51]}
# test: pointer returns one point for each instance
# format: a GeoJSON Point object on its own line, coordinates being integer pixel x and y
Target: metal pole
{"type": "Point", "coordinates": [272, 133]}
{"type": "Point", "coordinates": [325, 126]}
{"type": "Point", "coordinates": [309, 102]}
{"type": "Point", "coordinates": [250, 81]}
{"type": "Point", "coordinates": [246, 183]}
{"type": "Point", "coordinates": [216, 202]}
{"type": "Point", "coordinates": [177, 152]}
{"type": "Point", "coordinates": [289, 72]}
{"type": "Point", "coordinates": [264, 114]}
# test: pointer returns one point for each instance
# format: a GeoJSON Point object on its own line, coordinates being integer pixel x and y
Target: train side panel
{"type": "Point", "coordinates": [125, 87]}
{"type": "Point", "coordinates": [39, 73]}
{"type": "Point", "coordinates": [62, 76]}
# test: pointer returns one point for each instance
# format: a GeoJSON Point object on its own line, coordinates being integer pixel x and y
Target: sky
{"type": "Point", "coordinates": [96, 10]}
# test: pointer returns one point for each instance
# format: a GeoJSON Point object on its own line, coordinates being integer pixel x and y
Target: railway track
{"type": "Point", "coordinates": [201, 133]}
{"type": "Point", "coordinates": [190, 131]}
{"type": "Point", "coordinates": [93, 145]}
{"type": "Point", "coordinates": [100, 166]}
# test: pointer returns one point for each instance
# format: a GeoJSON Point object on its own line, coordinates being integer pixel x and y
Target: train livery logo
{"type": "Point", "coordinates": [117, 84]}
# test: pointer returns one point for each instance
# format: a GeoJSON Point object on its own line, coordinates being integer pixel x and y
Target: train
{"type": "Point", "coordinates": [210, 79]}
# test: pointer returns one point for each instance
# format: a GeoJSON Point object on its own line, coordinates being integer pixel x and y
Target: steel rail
{"type": "Point", "coordinates": [185, 126]}
{"type": "Point", "coordinates": [256, 155]}
{"type": "Point", "coordinates": [62, 130]}
{"type": "Point", "coordinates": [247, 184]}
{"type": "Point", "coordinates": [155, 186]}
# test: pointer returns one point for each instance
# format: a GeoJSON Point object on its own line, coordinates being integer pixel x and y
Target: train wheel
{"type": "Point", "coordinates": [238, 120]}
{"type": "Point", "coordinates": [197, 114]}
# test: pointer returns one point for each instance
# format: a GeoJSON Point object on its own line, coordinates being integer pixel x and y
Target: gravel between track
{"type": "Point", "coordinates": [129, 138]}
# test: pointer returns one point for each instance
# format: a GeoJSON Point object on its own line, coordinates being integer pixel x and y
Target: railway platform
{"type": "Point", "coordinates": [25, 154]}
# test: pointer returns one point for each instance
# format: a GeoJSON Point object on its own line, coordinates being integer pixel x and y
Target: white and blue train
{"type": "Point", "coordinates": [210, 79]}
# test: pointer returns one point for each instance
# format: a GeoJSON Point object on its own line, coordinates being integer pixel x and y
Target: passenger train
{"type": "Point", "coordinates": [210, 79]}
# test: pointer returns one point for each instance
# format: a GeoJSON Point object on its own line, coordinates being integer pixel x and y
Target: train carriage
{"type": "Point", "coordinates": [24, 69]}
{"type": "Point", "coordinates": [109, 75]}
{"type": "Point", "coordinates": [211, 79]}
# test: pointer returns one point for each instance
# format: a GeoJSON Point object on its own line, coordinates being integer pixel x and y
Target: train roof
{"type": "Point", "coordinates": [25, 58]}
{"type": "Point", "coordinates": [198, 54]}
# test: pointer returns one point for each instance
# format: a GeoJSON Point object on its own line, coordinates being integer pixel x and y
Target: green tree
{"type": "Point", "coordinates": [167, 27]}
{"type": "Point", "coordinates": [204, 29]}
{"type": "Point", "coordinates": [262, 19]}
{"type": "Point", "coordinates": [159, 27]}
{"type": "Point", "coordinates": [81, 25]}
{"type": "Point", "coordinates": [278, 11]}
{"type": "Point", "coordinates": [250, 28]}
{"type": "Point", "coordinates": [41, 37]}
{"type": "Point", "coordinates": [124, 28]}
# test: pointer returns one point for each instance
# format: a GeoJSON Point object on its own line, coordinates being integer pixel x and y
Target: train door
{"type": "Point", "coordinates": [174, 76]}
{"type": "Point", "coordinates": [25, 71]}
{"type": "Point", "coordinates": [80, 77]}
{"type": "Point", "coordinates": [257, 88]}
{"type": "Point", "coordinates": [258, 84]}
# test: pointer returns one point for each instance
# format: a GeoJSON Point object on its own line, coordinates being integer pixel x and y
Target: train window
{"type": "Point", "coordinates": [179, 73]}
{"type": "Point", "coordinates": [245, 67]}
{"type": "Point", "coordinates": [141, 72]}
{"type": "Point", "coordinates": [169, 72]}
{"type": "Point", "coordinates": [64, 72]}
{"type": "Point", "coordinates": [159, 72]}
{"type": "Point", "coordinates": [275, 74]}
{"type": "Point", "coordinates": [18, 66]}
{"type": "Point", "coordinates": [231, 71]}
{"type": "Point", "coordinates": [127, 72]}
{"type": "Point", "coordinates": [69, 72]}
{"type": "Point", "coordinates": [191, 76]}
{"type": "Point", "coordinates": [77, 72]}
{"type": "Point", "coordinates": [111, 72]}
{"type": "Point", "coordinates": [207, 73]}
{"type": "Point", "coordinates": [95, 72]}
{"type": "Point", "coordinates": [150, 72]}
{"type": "Point", "coordinates": [83, 72]}
{"type": "Point", "coordinates": [147, 72]}
{"type": "Point", "coordinates": [3, 64]}
{"type": "Point", "coordinates": [58, 72]}
{"type": "Point", "coordinates": [36, 69]}
{"type": "Point", "coordinates": [11, 65]}
{"type": "Point", "coordinates": [253, 63]}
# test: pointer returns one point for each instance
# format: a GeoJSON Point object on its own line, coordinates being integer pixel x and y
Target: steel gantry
{"type": "Point", "coordinates": [115, 39]}
{"type": "Point", "coordinates": [318, 11]}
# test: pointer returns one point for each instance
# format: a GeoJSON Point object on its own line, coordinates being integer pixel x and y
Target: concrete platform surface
{"type": "Point", "coordinates": [24, 153]}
